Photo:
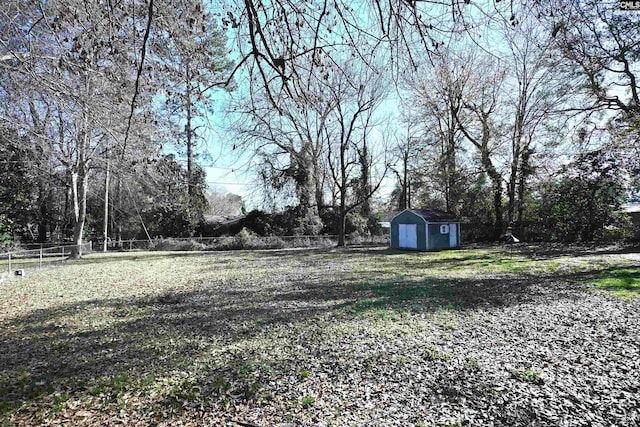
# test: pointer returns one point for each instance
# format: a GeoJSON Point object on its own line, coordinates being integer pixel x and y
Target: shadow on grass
{"type": "Point", "coordinates": [104, 348]}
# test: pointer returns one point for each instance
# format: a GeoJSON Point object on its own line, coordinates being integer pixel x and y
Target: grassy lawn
{"type": "Point", "coordinates": [623, 282]}
{"type": "Point", "coordinates": [324, 337]}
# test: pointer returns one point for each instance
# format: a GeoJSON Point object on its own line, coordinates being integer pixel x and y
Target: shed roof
{"type": "Point", "coordinates": [431, 215]}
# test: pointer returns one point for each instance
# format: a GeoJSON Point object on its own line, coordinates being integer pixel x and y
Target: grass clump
{"type": "Point", "coordinates": [529, 376]}
{"type": "Point", "coordinates": [120, 382]}
{"type": "Point", "coordinates": [308, 401]}
{"type": "Point", "coordinates": [304, 374]}
{"type": "Point", "coordinates": [434, 353]}
{"type": "Point", "coordinates": [624, 283]}
{"type": "Point", "coordinates": [472, 365]}
{"type": "Point", "coordinates": [59, 401]}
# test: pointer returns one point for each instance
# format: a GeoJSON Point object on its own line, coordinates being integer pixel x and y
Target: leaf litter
{"type": "Point", "coordinates": [476, 337]}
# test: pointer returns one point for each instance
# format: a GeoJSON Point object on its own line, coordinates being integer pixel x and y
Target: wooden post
{"type": "Point", "coordinates": [62, 253]}
{"type": "Point", "coordinates": [9, 269]}
{"type": "Point", "coordinates": [40, 260]}
{"type": "Point", "coordinates": [130, 244]}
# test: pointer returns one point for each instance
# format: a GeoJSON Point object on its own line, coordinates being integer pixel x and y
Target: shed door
{"type": "Point", "coordinates": [408, 236]}
{"type": "Point", "coordinates": [453, 235]}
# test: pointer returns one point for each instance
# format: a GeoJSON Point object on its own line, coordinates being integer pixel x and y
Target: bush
{"type": "Point", "coordinates": [211, 229]}
{"type": "Point", "coordinates": [355, 223]}
{"type": "Point", "coordinates": [258, 222]}
{"type": "Point", "coordinates": [477, 232]}
{"type": "Point", "coordinates": [171, 244]}
{"type": "Point", "coordinates": [168, 220]}
{"type": "Point", "coordinates": [583, 200]}
{"type": "Point", "coordinates": [6, 238]}
{"type": "Point", "coordinates": [247, 239]}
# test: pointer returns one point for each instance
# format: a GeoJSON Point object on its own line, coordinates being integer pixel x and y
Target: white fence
{"type": "Point", "coordinates": [238, 242]}
{"type": "Point", "coordinates": [18, 261]}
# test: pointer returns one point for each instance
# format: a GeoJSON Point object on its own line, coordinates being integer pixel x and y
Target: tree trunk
{"type": "Point", "coordinates": [511, 186]}
{"type": "Point", "coordinates": [365, 181]}
{"type": "Point", "coordinates": [117, 212]}
{"type": "Point", "coordinates": [319, 174]}
{"type": "Point", "coordinates": [67, 203]}
{"type": "Point", "coordinates": [520, 212]}
{"type": "Point", "coordinates": [79, 185]}
{"type": "Point", "coordinates": [306, 188]}
{"type": "Point", "coordinates": [343, 195]}
{"type": "Point", "coordinates": [496, 180]}
{"type": "Point", "coordinates": [80, 180]}
{"type": "Point", "coordinates": [44, 215]}
{"type": "Point", "coordinates": [525, 171]}
{"type": "Point", "coordinates": [406, 190]}
{"type": "Point", "coordinates": [105, 233]}
{"type": "Point", "coordinates": [189, 132]}
{"type": "Point", "coordinates": [497, 209]}
{"type": "Point", "coordinates": [343, 223]}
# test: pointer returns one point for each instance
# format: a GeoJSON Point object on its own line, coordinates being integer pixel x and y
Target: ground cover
{"type": "Point", "coordinates": [324, 337]}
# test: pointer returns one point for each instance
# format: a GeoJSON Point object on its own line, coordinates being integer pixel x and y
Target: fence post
{"type": "Point", "coordinates": [9, 270]}
{"type": "Point", "coordinates": [40, 260]}
{"type": "Point", "coordinates": [130, 244]}
{"type": "Point", "coordinates": [90, 246]}
{"type": "Point", "coordinates": [62, 254]}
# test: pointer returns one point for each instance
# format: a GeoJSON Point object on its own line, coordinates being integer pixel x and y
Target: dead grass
{"type": "Point", "coordinates": [320, 337]}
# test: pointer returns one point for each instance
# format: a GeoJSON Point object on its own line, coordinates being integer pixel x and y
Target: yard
{"type": "Point", "coordinates": [325, 337]}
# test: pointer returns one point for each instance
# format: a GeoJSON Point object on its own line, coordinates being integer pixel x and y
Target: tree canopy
{"type": "Point", "coordinates": [476, 108]}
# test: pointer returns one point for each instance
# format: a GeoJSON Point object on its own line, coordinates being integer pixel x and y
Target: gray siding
{"type": "Point", "coordinates": [437, 240]}
{"type": "Point", "coordinates": [409, 218]}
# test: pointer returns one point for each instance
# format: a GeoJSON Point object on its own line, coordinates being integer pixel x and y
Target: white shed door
{"type": "Point", "coordinates": [408, 236]}
{"type": "Point", "coordinates": [453, 235]}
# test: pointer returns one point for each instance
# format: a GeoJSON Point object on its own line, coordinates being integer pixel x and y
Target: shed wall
{"type": "Point", "coordinates": [409, 218]}
{"type": "Point", "coordinates": [437, 240]}
{"type": "Point", "coordinates": [442, 241]}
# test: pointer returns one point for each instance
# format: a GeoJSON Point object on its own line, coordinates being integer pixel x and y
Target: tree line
{"type": "Point", "coordinates": [522, 115]}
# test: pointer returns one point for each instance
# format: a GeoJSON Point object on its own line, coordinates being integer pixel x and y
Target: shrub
{"type": "Point", "coordinates": [171, 244]}
{"type": "Point", "coordinates": [257, 222]}
{"type": "Point", "coordinates": [6, 239]}
{"type": "Point", "coordinates": [583, 200]}
{"type": "Point", "coordinates": [247, 239]}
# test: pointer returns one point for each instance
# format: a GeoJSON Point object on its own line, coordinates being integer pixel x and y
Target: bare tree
{"type": "Point", "coordinates": [540, 94]}
{"type": "Point", "coordinates": [290, 144]}
{"type": "Point", "coordinates": [72, 56]}
{"type": "Point", "coordinates": [274, 36]}
{"type": "Point", "coordinates": [356, 95]}
{"type": "Point", "coordinates": [481, 127]}
{"type": "Point", "coordinates": [440, 100]}
{"type": "Point", "coordinates": [601, 43]}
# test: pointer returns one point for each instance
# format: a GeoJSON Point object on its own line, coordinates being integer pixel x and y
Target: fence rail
{"type": "Point", "coordinates": [18, 261]}
{"type": "Point", "coordinates": [238, 242]}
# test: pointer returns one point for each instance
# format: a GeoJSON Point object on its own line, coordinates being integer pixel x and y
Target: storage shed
{"type": "Point", "coordinates": [425, 230]}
